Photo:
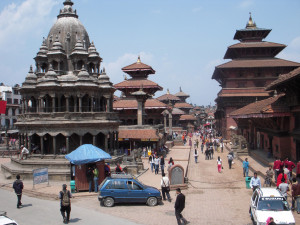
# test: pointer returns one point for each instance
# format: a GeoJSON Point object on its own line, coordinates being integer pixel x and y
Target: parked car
{"type": "Point", "coordinates": [124, 188]}
{"type": "Point", "coordinates": [268, 202]}
{"type": "Point", "coordinates": [4, 220]}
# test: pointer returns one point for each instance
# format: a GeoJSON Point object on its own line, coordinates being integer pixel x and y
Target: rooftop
{"type": "Point", "coordinates": [283, 78]}
{"type": "Point", "coordinates": [122, 104]}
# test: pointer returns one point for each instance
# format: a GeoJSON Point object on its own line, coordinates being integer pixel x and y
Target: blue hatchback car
{"type": "Point", "coordinates": [123, 188]}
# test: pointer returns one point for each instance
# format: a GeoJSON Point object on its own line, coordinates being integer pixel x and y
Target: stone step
{"type": "Point", "coordinates": [11, 170]}
{"type": "Point", "coordinates": [40, 163]}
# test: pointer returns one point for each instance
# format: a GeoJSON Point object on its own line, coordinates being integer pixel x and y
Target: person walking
{"type": "Point", "coordinates": [219, 163]}
{"type": "Point", "coordinates": [196, 155]}
{"type": "Point", "coordinates": [162, 164]}
{"type": "Point", "coordinates": [276, 168]}
{"type": "Point", "coordinates": [202, 147]}
{"type": "Point", "coordinates": [65, 203]}
{"type": "Point", "coordinates": [179, 206]}
{"type": "Point", "coordinates": [269, 177]}
{"type": "Point", "coordinates": [279, 178]}
{"type": "Point", "coordinates": [255, 182]}
{"type": "Point", "coordinates": [283, 188]}
{"type": "Point", "coordinates": [296, 195]}
{"type": "Point", "coordinates": [165, 187]}
{"type": "Point", "coordinates": [96, 178]}
{"type": "Point", "coordinates": [230, 159]}
{"type": "Point", "coordinates": [170, 163]}
{"type": "Point", "coordinates": [18, 187]}
{"type": "Point", "coordinates": [245, 167]}
{"type": "Point", "coordinates": [89, 176]}
{"type": "Point", "coordinates": [151, 161]}
{"type": "Point", "coordinates": [156, 164]}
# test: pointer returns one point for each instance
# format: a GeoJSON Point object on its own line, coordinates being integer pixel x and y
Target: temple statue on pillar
{"type": "Point", "coordinates": [140, 114]}
{"type": "Point", "coordinates": [67, 100]}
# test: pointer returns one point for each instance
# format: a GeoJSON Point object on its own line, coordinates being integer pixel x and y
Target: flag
{"type": "Point", "coordinates": [2, 107]}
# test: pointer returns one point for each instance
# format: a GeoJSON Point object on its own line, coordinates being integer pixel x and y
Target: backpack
{"type": "Point", "coordinates": [65, 201]}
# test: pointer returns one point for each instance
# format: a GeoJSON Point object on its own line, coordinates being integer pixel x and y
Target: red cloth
{"type": "Point", "coordinates": [2, 107]}
{"type": "Point", "coordinates": [298, 168]}
{"type": "Point", "coordinates": [277, 164]}
{"type": "Point", "coordinates": [291, 166]}
{"type": "Point", "coordinates": [279, 179]}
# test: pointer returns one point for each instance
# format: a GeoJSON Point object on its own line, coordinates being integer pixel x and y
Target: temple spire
{"type": "Point", "coordinates": [250, 24]}
{"type": "Point", "coordinates": [139, 60]}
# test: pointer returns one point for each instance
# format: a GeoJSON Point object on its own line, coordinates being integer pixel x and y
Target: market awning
{"type": "Point", "coordinates": [87, 153]}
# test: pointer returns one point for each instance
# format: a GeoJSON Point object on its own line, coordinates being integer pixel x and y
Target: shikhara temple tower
{"type": "Point", "coordinates": [67, 100]}
{"type": "Point", "coordinates": [253, 66]}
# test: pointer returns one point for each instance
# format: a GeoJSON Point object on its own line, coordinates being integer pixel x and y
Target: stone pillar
{"type": "Point", "coordinates": [54, 144]}
{"type": "Point", "coordinates": [80, 104]}
{"type": "Point", "coordinates": [80, 143]}
{"type": "Point", "coordinates": [42, 105]}
{"type": "Point", "coordinates": [106, 143]}
{"type": "Point", "coordinates": [26, 105]}
{"type": "Point", "coordinates": [53, 104]}
{"type": "Point", "coordinates": [59, 104]}
{"type": "Point", "coordinates": [37, 105]}
{"type": "Point", "coordinates": [94, 140]}
{"type": "Point", "coordinates": [92, 104]}
{"type": "Point", "coordinates": [117, 140]}
{"type": "Point", "coordinates": [29, 143]}
{"type": "Point", "coordinates": [42, 145]}
{"type": "Point", "coordinates": [26, 141]}
{"type": "Point", "coordinates": [67, 144]}
{"type": "Point", "coordinates": [23, 106]}
{"type": "Point", "coordinates": [140, 112]}
{"type": "Point", "coordinates": [58, 66]}
{"type": "Point", "coordinates": [108, 105]}
{"type": "Point", "coordinates": [170, 123]}
{"type": "Point", "coordinates": [111, 140]}
{"type": "Point", "coordinates": [67, 103]}
{"type": "Point", "coordinates": [165, 122]}
{"type": "Point", "coordinates": [75, 103]}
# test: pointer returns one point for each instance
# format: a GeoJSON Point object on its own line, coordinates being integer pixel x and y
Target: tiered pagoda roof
{"type": "Point", "coordinates": [125, 104]}
{"type": "Point", "coordinates": [187, 118]}
{"type": "Point", "coordinates": [239, 92]}
{"type": "Point", "coordinates": [183, 105]}
{"type": "Point", "coordinates": [138, 134]}
{"type": "Point", "coordinates": [283, 78]}
{"type": "Point", "coordinates": [270, 107]}
{"type": "Point", "coordinates": [166, 97]}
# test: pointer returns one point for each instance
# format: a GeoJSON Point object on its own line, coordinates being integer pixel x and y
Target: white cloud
{"type": "Point", "coordinates": [113, 69]}
{"type": "Point", "coordinates": [246, 4]}
{"type": "Point", "coordinates": [17, 20]}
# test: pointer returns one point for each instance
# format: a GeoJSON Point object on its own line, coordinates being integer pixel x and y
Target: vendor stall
{"type": "Point", "coordinates": [83, 157]}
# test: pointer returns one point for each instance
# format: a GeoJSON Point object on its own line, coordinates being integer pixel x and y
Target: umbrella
{"type": "Point", "coordinates": [87, 154]}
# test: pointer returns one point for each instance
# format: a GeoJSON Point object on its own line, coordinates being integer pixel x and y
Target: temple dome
{"type": "Point", "coordinates": [68, 29]}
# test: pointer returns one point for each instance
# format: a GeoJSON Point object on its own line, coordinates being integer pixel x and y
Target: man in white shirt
{"type": "Point", "coordinates": [165, 187]}
{"type": "Point", "coordinates": [255, 182]}
{"type": "Point", "coordinates": [156, 164]}
{"type": "Point", "coordinates": [24, 151]}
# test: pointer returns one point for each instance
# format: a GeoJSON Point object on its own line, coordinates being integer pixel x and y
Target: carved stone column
{"type": "Point", "coordinates": [80, 104]}
{"type": "Point", "coordinates": [94, 140]}
{"type": "Point", "coordinates": [67, 103]}
{"type": "Point", "coordinates": [42, 145]}
{"type": "Point", "coordinates": [29, 143]}
{"type": "Point", "coordinates": [92, 104]}
{"type": "Point", "coordinates": [80, 143]}
{"type": "Point", "coordinates": [67, 144]}
{"type": "Point", "coordinates": [106, 143]}
{"type": "Point", "coordinates": [54, 144]}
{"type": "Point", "coordinates": [75, 103]}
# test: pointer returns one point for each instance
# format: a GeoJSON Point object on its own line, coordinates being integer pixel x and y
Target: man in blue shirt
{"type": "Point", "coordinates": [245, 167]}
{"type": "Point", "coordinates": [255, 182]}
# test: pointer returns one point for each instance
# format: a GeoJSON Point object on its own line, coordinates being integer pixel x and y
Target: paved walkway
{"type": "Point", "coordinates": [212, 197]}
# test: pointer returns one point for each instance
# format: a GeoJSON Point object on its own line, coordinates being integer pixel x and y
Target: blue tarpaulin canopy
{"type": "Point", "coordinates": [87, 154]}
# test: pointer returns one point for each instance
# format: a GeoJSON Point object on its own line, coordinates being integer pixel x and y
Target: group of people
{"type": "Point", "coordinates": [158, 163]}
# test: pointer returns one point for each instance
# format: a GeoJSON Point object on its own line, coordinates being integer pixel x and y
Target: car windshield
{"type": "Point", "coordinates": [273, 204]}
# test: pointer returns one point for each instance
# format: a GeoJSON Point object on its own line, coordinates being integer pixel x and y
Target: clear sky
{"type": "Point", "coordinates": [183, 40]}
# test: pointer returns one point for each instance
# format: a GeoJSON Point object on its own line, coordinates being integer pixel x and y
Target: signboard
{"type": "Point", "coordinates": [153, 139]}
{"type": "Point", "coordinates": [40, 176]}
{"type": "Point", "coordinates": [120, 139]}
{"type": "Point", "coordinates": [144, 139]}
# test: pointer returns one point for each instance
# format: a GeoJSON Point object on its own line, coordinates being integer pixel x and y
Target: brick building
{"type": "Point", "coordinates": [243, 79]}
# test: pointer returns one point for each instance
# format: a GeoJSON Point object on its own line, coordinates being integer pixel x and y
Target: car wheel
{"type": "Point", "coordinates": [152, 201]}
{"type": "Point", "coordinates": [108, 202]}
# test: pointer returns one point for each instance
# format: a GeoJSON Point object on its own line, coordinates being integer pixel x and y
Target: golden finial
{"type": "Point", "coordinates": [250, 24]}
{"type": "Point", "coordinates": [139, 60]}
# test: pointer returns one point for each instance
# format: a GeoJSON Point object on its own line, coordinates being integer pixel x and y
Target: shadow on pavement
{"type": "Point", "coordinates": [26, 205]}
{"type": "Point", "coordinates": [74, 220]}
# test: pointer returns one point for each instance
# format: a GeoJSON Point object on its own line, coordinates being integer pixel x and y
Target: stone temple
{"type": "Point", "coordinates": [67, 99]}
